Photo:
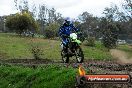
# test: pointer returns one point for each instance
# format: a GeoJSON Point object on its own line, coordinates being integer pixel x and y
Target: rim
{"type": "Point", "coordinates": [78, 55]}
{"type": "Point", "coordinates": [64, 59]}
{"type": "Point", "coordinates": [79, 58]}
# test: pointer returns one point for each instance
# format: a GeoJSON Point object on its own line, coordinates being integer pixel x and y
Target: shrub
{"type": "Point", "coordinates": [90, 41]}
{"type": "Point", "coordinates": [51, 30]}
{"type": "Point", "coordinates": [49, 33]}
{"type": "Point", "coordinates": [109, 39]}
{"type": "Point", "coordinates": [36, 51]}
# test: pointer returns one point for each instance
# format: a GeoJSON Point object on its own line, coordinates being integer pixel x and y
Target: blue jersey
{"type": "Point", "coordinates": [67, 30]}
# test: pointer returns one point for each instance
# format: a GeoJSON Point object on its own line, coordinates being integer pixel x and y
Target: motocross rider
{"type": "Point", "coordinates": [65, 30]}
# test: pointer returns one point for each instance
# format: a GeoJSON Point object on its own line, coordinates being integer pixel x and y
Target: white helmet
{"type": "Point", "coordinates": [67, 19]}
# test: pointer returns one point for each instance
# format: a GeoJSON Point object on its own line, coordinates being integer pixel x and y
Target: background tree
{"type": "Point", "coordinates": [21, 22]}
{"type": "Point", "coordinates": [110, 35]}
{"type": "Point", "coordinates": [1, 23]}
{"type": "Point", "coordinates": [126, 23]}
{"type": "Point", "coordinates": [48, 16]}
{"type": "Point", "coordinates": [51, 30]}
{"type": "Point", "coordinates": [89, 24]}
{"type": "Point", "coordinates": [21, 5]}
{"type": "Point", "coordinates": [42, 16]}
{"type": "Point", "coordinates": [127, 7]}
{"type": "Point", "coordinates": [34, 11]}
{"type": "Point", "coordinates": [59, 19]}
{"type": "Point", "coordinates": [109, 27]}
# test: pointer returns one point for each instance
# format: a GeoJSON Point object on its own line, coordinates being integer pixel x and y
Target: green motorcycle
{"type": "Point", "coordinates": [73, 49]}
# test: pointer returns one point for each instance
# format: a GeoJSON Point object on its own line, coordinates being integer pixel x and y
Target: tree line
{"type": "Point", "coordinates": [115, 24]}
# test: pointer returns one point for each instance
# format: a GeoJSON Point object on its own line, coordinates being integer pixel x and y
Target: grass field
{"type": "Point", "coordinates": [50, 76]}
{"type": "Point", "coordinates": [46, 75]}
{"type": "Point", "coordinates": [16, 47]}
{"type": "Point", "coordinates": [99, 52]}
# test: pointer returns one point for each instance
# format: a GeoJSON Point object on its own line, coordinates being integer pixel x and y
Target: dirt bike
{"type": "Point", "coordinates": [73, 49]}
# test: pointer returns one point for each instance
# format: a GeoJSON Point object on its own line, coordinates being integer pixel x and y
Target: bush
{"type": "Point", "coordinates": [90, 41]}
{"type": "Point", "coordinates": [36, 51]}
{"type": "Point", "coordinates": [49, 33]}
{"type": "Point", "coordinates": [21, 22]}
{"type": "Point", "coordinates": [109, 39]}
{"type": "Point", "coordinates": [51, 30]}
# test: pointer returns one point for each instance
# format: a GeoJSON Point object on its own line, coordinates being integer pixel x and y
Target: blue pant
{"type": "Point", "coordinates": [65, 41]}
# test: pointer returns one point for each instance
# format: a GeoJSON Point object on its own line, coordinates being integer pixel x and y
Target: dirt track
{"type": "Point", "coordinates": [91, 66]}
{"type": "Point", "coordinates": [121, 56]}
{"type": "Point", "coordinates": [94, 65]}
{"type": "Point", "coordinates": [120, 65]}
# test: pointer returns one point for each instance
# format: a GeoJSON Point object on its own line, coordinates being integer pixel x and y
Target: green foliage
{"type": "Point", "coordinates": [50, 76]}
{"type": "Point", "coordinates": [109, 32]}
{"type": "Point", "coordinates": [51, 30]}
{"type": "Point", "coordinates": [21, 22]}
{"type": "Point", "coordinates": [110, 36]}
{"type": "Point", "coordinates": [89, 25]}
{"type": "Point", "coordinates": [77, 23]}
{"type": "Point", "coordinates": [49, 33]}
{"type": "Point", "coordinates": [90, 41]}
{"type": "Point", "coordinates": [36, 51]}
{"type": "Point", "coordinates": [111, 13]}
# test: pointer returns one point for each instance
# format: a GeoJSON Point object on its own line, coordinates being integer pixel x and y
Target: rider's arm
{"type": "Point", "coordinates": [74, 28]}
{"type": "Point", "coordinates": [60, 31]}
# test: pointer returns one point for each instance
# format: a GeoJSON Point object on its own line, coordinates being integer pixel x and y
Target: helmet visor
{"type": "Point", "coordinates": [68, 23]}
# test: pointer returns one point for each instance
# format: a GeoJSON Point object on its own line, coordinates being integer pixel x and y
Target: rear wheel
{"type": "Point", "coordinates": [79, 55]}
{"type": "Point", "coordinates": [65, 57]}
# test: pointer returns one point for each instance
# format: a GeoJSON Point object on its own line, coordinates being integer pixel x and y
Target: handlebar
{"type": "Point", "coordinates": [66, 36]}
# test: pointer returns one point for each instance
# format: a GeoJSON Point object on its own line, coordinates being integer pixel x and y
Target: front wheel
{"type": "Point", "coordinates": [79, 55]}
{"type": "Point", "coordinates": [65, 57]}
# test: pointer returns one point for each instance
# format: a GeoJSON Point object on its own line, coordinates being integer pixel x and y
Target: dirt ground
{"type": "Point", "coordinates": [121, 56]}
{"type": "Point", "coordinates": [91, 67]}
{"type": "Point", "coordinates": [121, 65]}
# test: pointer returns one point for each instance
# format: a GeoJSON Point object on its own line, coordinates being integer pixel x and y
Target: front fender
{"type": "Point", "coordinates": [78, 41]}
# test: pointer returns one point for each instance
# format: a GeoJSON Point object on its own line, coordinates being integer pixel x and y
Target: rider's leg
{"type": "Point", "coordinates": [65, 44]}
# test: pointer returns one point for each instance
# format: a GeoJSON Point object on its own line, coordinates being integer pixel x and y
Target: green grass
{"type": "Point", "coordinates": [51, 76]}
{"type": "Point", "coordinates": [98, 52]}
{"type": "Point", "coordinates": [13, 46]}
